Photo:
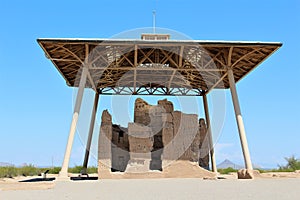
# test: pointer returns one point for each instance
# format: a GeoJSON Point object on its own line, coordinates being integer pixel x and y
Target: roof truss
{"type": "Point", "coordinates": [126, 67]}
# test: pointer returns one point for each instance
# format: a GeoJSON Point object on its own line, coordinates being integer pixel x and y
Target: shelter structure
{"type": "Point", "coordinates": [155, 66]}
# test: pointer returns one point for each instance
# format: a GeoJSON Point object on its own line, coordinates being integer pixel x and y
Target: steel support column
{"type": "Point", "coordinates": [239, 120]}
{"type": "Point", "coordinates": [64, 170]}
{"type": "Point", "coordinates": [209, 132]}
{"type": "Point", "coordinates": [90, 136]}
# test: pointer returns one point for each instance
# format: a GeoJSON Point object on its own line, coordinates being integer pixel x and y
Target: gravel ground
{"type": "Point", "coordinates": [274, 188]}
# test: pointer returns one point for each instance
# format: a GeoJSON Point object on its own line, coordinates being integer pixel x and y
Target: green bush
{"type": "Point", "coordinates": [76, 169]}
{"type": "Point", "coordinates": [275, 170]}
{"type": "Point", "coordinates": [28, 170]}
{"type": "Point", "coordinates": [8, 172]}
{"type": "Point", "coordinates": [292, 163]}
{"type": "Point", "coordinates": [92, 170]}
{"type": "Point", "coordinates": [54, 170]}
{"type": "Point", "coordinates": [227, 170]}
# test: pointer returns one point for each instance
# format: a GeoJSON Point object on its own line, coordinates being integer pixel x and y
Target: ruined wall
{"type": "Point", "coordinates": [158, 136]}
{"type": "Point", "coordinates": [176, 135]}
{"type": "Point", "coordinates": [119, 148]}
{"type": "Point", "coordinates": [181, 137]}
{"type": "Point", "coordinates": [140, 138]}
{"type": "Point", "coordinates": [204, 145]}
{"type": "Point", "coordinates": [141, 112]}
{"type": "Point", "coordinates": [151, 116]}
{"type": "Point", "coordinates": [188, 137]}
{"type": "Point", "coordinates": [167, 105]}
{"type": "Point", "coordinates": [140, 146]}
{"type": "Point", "coordinates": [113, 146]}
{"type": "Point", "coordinates": [104, 145]}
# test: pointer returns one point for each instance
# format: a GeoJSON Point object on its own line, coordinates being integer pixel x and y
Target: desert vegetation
{"type": "Point", "coordinates": [292, 164]}
{"type": "Point", "coordinates": [31, 170]}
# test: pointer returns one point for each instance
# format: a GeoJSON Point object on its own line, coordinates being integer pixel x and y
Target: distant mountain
{"type": "Point", "coordinates": [227, 163]}
{"type": "Point", "coordinates": [4, 164]}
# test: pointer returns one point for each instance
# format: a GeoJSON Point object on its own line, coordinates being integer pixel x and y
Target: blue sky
{"type": "Point", "coordinates": [36, 104]}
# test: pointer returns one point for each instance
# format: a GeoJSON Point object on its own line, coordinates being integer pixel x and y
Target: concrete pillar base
{"type": "Point", "coordinates": [247, 174]}
{"type": "Point", "coordinates": [63, 176]}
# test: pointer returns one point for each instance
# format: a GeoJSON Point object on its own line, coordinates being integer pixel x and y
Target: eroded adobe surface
{"type": "Point", "coordinates": [157, 137]}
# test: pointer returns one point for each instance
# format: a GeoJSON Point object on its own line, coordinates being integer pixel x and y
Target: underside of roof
{"type": "Point", "coordinates": [154, 67]}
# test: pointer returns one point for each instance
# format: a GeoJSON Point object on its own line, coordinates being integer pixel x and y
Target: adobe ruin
{"type": "Point", "coordinates": [157, 137]}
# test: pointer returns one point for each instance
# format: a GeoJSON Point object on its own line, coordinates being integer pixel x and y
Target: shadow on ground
{"type": "Point", "coordinates": [38, 180]}
{"type": "Point", "coordinates": [83, 178]}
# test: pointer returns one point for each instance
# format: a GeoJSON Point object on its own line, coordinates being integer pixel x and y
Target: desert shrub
{"type": "Point", "coordinates": [227, 170]}
{"type": "Point", "coordinates": [54, 170]}
{"type": "Point", "coordinates": [92, 170]}
{"type": "Point", "coordinates": [292, 163]}
{"type": "Point", "coordinates": [275, 170]}
{"type": "Point", "coordinates": [76, 169]}
{"type": "Point", "coordinates": [8, 172]}
{"type": "Point", "coordinates": [28, 170]}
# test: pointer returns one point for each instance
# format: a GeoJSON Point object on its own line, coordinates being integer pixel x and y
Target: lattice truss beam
{"type": "Point", "coordinates": [154, 68]}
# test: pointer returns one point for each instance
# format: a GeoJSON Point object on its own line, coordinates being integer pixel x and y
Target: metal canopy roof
{"type": "Point", "coordinates": [155, 67]}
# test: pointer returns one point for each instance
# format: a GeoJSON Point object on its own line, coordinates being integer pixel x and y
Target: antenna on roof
{"type": "Point", "coordinates": [154, 21]}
